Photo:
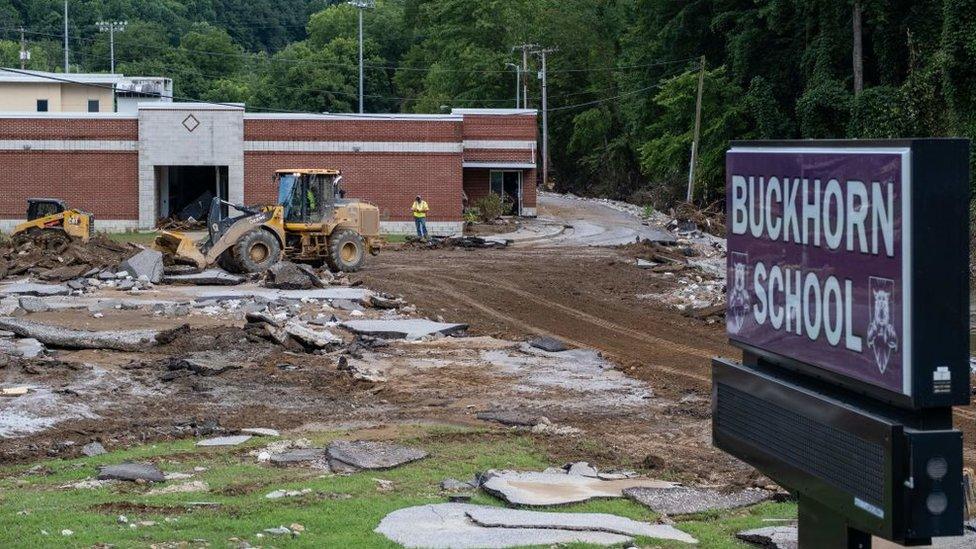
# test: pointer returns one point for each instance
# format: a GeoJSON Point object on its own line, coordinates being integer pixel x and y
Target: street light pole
{"type": "Point", "coordinates": [110, 27]}
{"type": "Point", "coordinates": [518, 81]}
{"type": "Point", "coordinates": [66, 37]}
{"type": "Point", "coordinates": [361, 5]}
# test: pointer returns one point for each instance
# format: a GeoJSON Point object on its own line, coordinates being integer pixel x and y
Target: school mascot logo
{"type": "Point", "coordinates": [882, 336]}
{"type": "Point", "coordinates": [739, 303]}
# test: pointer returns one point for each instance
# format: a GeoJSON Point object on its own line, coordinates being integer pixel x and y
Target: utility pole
{"type": "Point", "coordinates": [526, 48]}
{"type": "Point", "coordinates": [111, 27]}
{"type": "Point", "coordinates": [545, 112]}
{"type": "Point", "coordinates": [694, 142]}
{"type": "Point", "coordinates": [361, 5]}
{"type": "Point", "coordinates": [24, 53]}
{"type": "Point", "coordinates": [858, 48]}
{"type": "Point", "coordinates": [518, 78]}
{"type": "Point", "coordinates": [66, 69]}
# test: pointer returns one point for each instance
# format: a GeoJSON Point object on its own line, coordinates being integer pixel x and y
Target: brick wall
{"type": "Point", "coordinates": [104, 183]}
{"type": "Point", "coordinates": [351, 130]}
{"type": "Point", "coordinates": [388, 180]}
{"type": "Point", "coordinates": [69, 128]}
{"type": "Point", "coordinates": [488, 127]}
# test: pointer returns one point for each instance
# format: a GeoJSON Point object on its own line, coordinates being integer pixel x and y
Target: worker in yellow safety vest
{"type": "Point", "coordinates": [420, 209]}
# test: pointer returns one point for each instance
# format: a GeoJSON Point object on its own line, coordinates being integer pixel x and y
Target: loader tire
{"type": "Point", "coordinates": [256, 251]}
{"type": "Point", "coordinates": [347, 251]}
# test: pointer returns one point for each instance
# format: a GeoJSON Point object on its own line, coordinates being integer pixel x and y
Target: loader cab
{"type": "Point", "coordinates": [43, 207]}
{"type": "Point", "coordinates": [308, 196]}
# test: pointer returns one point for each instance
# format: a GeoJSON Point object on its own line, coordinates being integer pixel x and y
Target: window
{"type": "Point", "coordinates": [42, 105]}
{"type": "Point", "coordinates": [93, 105]}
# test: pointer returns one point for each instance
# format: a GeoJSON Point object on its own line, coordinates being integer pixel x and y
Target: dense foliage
{"type": "Point", "coordinates": [622, 85]}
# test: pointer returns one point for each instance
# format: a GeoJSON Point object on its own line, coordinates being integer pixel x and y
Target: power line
{"type": "Point", "coordinates": [269, 58]}
{"type": "Point", "coordinates": [604, 100]}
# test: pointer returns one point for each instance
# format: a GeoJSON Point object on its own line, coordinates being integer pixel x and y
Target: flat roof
{"type": "Point", "coordinates": [351, 116]}
{"type": "Point", "coordinates": [496, 112]}
{"type": "Point", "coordinates": [42, 77]}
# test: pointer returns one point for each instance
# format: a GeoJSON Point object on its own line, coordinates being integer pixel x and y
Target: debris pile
{"type": "Point", "coordinates": [54, 257]}
{"type": "Point", "coordinates": [467, 242]}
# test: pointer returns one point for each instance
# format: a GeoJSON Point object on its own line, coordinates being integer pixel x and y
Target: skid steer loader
{"type": "Point", "coordinates": [51, 222]}
{"type": "Point", "coordinates": [312, 222]}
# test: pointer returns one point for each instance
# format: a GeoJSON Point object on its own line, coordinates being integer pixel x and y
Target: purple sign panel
{"type": "Point", "coordinates": [818, 258]}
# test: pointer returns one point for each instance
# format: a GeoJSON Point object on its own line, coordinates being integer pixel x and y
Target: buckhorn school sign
{"type": "Point", "coordinates": [848, 294]}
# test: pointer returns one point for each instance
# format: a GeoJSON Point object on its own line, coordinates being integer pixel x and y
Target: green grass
{"type": "Point", "coordinates": [341, 511]}
{"type": "Point", "coordinates": [395, 238]}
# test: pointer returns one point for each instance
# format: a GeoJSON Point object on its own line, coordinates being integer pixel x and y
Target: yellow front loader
{"type": "Point", "coordinates": [312, 222]}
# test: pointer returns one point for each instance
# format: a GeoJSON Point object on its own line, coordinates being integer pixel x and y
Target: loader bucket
{"type": "Point", "coordinates": [180, 247]}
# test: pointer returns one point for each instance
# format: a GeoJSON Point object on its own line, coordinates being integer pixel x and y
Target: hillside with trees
{"type": "Point", "coordinates": [622, 85]}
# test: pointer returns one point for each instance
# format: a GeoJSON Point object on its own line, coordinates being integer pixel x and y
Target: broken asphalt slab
{"type": "Point", "coordinates": [410, 329]}
{"type": "Point", "coordinates": [683, 500]}
{"type": "Point", "coordinates": [202, 293]}
{"type": "Point", "coordinates": [57, 336]}
{"type": "Point", "coordinates": [550, 344]}
{"type": "Point", "coordinates": [31, 288]}
{"type": "Point", "coordinates": [534, 489]}
{"type": "Point", "coordinates": [447, 526]}
{"type": "Point", "coordinates": [497, 517]}
{"type": "Point", "coordinates": [209, 277]}
{"type": "Point", "coordinates": [772, 537]}
{"type": "Point", "coordinates": [372, 455]}
{"type": "Point", "coordinates": [131, 471]}
{"type": "Point", "coordinates": [232, 440]}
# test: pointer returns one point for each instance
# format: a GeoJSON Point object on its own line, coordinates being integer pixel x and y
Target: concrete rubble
{"type": "Point", "coordinates": [131, 471]}
{"type": "Point", "coordinates": [202, 363]}
{"type": "Point", "coordinates": [286, 275]}
{"type": "Point", "coordinates": [36, 289]}
{"type": "Point", "coordinates": [260, 432]}
{"type": "Point", "coordinates": [93, 449]}
{"type": "Point", "coordinates": [410, 329]}
{"type": "Point", "coordinates": [450, 526]}
{"type": "Point", "coordinates": [535, 489]}
{"type": "Point", "coordinates": [311, 337]}
{"type": "Point", "coordinates": [682, 500]}
{"type": "Point", "coordinates": [56, 336]}
{"type": "Point", "coordinates": [146, 263]}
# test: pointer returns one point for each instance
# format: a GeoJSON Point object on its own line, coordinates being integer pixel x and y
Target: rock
{"type": "Point", "coordinates": [286, 275]}
{"type": "Point", "coordinates": [583, 469]}
{"type": "Point", "coordinates": [206, 363]}
{"type": "Point", "coordinates": [279, 531]}
{"type": "Point", "coordinates": [645, 264]}
{"type": "Point", "coordinates": [411, 329]}
{"type": "Point", "coordinates": [31, 288]}
{"type": "Point", "coordinates": [233, 440]}
{"type": "Point", "coordinates": [260, 317]}
{"type": "Point", "coordinates": [148, 263]}
{"type": "Point", "coordinates": [131, 471]}
{"type": "Point", "coordinates": [93, 449]}
{"type": "Point", "coordinates": [260, 432]}
{"type": "Point", "coordinates": [496, 517]}
{"type": "Point", "coordinates": [209, 277]}
{"type": "Point", "coordinates": [549, 344]}
{"type": "Point", "coordinates": [532, 488]}
{"type": "Point", "coordinates": [77, 284]}
{"type": "Point", "coordinates": [772, 537]}
{"type": "Point", "coordinates": [447, 526]}
{"type": "Point", "coordinates": [33, 304]}
{"type": "Point", "coordinates": [380, 302]}
{"type": "Point", "coordinates": [67, 532]}
{"type": "Point", "coordinates": [510, 418]}
{"type": "Point", "coordinates": [682, 500]}
{"type": "Point", "coordinates": [125, 285]}
{"type": "Point", "coordinates": [367, 454]}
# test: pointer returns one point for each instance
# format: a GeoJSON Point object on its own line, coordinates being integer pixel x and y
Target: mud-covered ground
{"type": "Point", "coordinates": [634, 392]}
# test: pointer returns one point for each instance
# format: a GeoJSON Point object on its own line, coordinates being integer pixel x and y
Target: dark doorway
{"type": "Point", "coordinates": [508, 184]}
{"type": "Point", "coordinates": [185, 192]}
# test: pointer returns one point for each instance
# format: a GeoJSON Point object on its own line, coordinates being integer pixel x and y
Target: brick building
{"type": "Point", "coordinates": [131, 169]}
